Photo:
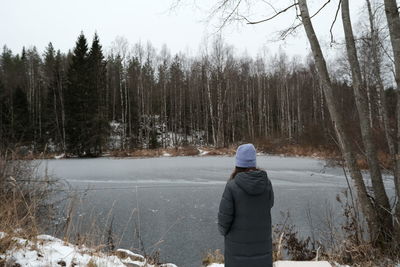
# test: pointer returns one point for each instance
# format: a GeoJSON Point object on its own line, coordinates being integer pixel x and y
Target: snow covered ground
{"type": "Point", "coordinates": [51, 251]}
{"type": "Point", "coordinates": [47, 250]}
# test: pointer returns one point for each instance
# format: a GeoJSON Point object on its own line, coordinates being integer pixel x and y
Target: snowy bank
{"type": "Point", "coordinates": [51, 251]}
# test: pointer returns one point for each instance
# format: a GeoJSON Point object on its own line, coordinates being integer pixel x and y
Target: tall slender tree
{"type": "Point", "coordinates": [76, 100]}
{"type": "Point", "coordinates": [98, 129]}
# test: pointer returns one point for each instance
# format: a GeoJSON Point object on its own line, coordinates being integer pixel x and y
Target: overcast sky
{"type": "Point", "coordinates": [28, 23]}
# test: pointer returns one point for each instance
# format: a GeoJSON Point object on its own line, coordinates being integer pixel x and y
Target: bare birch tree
{"type": "Point", "coordinates": [382, 201]}
{"type": "Point", "coordinates": [393, 21]}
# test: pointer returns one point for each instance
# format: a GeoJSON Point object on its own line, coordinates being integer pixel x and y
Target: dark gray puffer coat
{"type": "Point", "coordinates": [244, 219]}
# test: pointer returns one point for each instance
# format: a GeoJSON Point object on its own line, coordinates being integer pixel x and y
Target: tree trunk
{"type": "Point", "coordinates": [381, 198]}
{"type": "Point", "coordinates": [382, 105]}
{"type": "Point", "coordinates": [211, 111]}
{"type": "Point", "coordinates": [393, 21]}
{"type": "Point", "coordinates": [338, 123]}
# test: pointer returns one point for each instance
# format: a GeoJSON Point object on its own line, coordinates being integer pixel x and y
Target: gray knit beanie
{"type": "Point", "coordinates": [246, 156]}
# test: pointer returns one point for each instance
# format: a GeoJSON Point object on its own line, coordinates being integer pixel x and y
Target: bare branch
{"type": "Point", "coordinates": [284, 10]}
{"type": "Point", "coordinates": [274, 16]}
{"type": "Point", "coordinates": [289, 31]}
{"type": "Point", "coordinates": [270, 5]}
{"type": "Point", "coordinates": [322, 7]}
{"type": "Point", "coordinates": [230, 14]}
{"type": "Point", "coordinates": [385, 51]}
{"type": "Point", "coordinates": [334, 21]}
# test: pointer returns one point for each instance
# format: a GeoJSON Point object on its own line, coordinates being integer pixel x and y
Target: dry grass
{"type": "Point", "coordinates": [213, 257]}
{"type": "Point", "coordinates": [91, 263]}
{"type": "Point", "coordinates": [150, 153]}
{"type": "Point", "coordinates": [24, 201]}
{"type": "Point", "coordinates": [230, 151]}
{"type": "Point", "coordinates": [283, 147]}
{"type": "Point", "coordinates": [385, 161]}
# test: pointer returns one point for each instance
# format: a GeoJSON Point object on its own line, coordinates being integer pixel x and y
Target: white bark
{"type": "Point", "coordinates": [366, 131]}
{"type": "Point", "coordinates": [393, 21]}
{"type": "Point", "coordinates": [338, 123]}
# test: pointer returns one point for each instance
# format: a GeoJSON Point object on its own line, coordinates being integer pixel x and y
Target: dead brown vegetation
{"type": "Point", "coordinates": [213, 257]}
{"type": "Point", "coordinates": [25, 205]}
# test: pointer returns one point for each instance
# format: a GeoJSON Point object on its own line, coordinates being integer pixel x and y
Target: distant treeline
{"type": "Point", "coordinates": [84, 102]}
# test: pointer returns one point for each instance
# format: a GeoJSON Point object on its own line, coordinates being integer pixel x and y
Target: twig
{"type": "Point", "coordinates": [230, 14]}
{"type": "Point", "coordinates": [274, 16]}
{"type": "Point", "coordinates": [164, 234]}
{"type": "Point", "coordinates": [334, 21]}
{"type": "Point", "coordinates": [126, 226]}
{"type": "Point", "coordinates": [108, 218]}
{"type": "Point", "coordinates": [138, 215]}
{"type": "Point", "coordinates": [270, 5]}
{"type": "Point", "coordinates": [385, 51]}
{"type": "Point", "coordinates": [327, 2]}
{"type": "Point", "coordinates": [285, 33]}
{"type": "Point", "coordinates": [280, 245]}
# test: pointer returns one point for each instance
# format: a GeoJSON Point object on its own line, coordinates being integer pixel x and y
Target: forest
{"type": "Point", "coordinates": [88, 101]}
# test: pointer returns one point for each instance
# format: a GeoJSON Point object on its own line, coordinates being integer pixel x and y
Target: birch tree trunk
{"type": "Point", "coordinates": [381, 198]}
{"type": "Point", "coordinates": [393, 21]}
{"type": "Point", "coordinates": [338, 123]}
{"type": "Point", "coordinates": [382, 105]}
{"type": "Point", "coordinates": [211, 111]}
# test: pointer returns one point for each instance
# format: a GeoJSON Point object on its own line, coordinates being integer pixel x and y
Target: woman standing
{"type": "Point", "coordinates": [244, 216]}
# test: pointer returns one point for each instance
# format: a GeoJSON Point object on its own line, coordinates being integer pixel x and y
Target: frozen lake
{"type": "Point", "coordinates": [172, 203]}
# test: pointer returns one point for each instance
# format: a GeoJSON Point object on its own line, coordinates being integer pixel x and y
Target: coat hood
{"type": "Point", "coordinates": [253, 182]}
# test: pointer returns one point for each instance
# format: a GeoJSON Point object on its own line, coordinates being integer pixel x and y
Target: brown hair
{"type": "Point", "coordinates": [240, 169]}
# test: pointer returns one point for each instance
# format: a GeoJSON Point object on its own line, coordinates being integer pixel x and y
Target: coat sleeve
{"type": "Point", "coordinates": [226, 211]}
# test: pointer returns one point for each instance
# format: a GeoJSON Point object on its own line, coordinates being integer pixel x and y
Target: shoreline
{"type": "Point", "coordinates": [201, 151]}
{"type": "Point", "coordinates": [328, 153]}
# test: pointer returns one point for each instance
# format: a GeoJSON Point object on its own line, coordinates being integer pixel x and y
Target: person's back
{"type": "Point", "coordinates": [244, 219]}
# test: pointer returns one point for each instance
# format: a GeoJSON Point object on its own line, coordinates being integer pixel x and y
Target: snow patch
{"type": "Point", "coordinates": [202, 152]}
{"type": "Point", "coordinates": [48, 238]}
{"type": "Point", "coordinates": [59, 156]}
{"type": "Point", "coordinates": [129, 253]}
{"type": "Point", "coordinates": [51, 251]}
{"type": "Point", "coordinates": [2, 235]}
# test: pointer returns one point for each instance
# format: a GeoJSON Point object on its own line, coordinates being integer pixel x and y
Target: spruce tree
{"type": "Point", "coordinates": [98, 129]}
{"type": "Point", "coordinates": [76, 104]}
{"type": "Point", "coordinates": [49, 115]}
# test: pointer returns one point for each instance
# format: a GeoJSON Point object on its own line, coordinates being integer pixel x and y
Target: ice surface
{"type": "Point", "coordinates": [178, 197]}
